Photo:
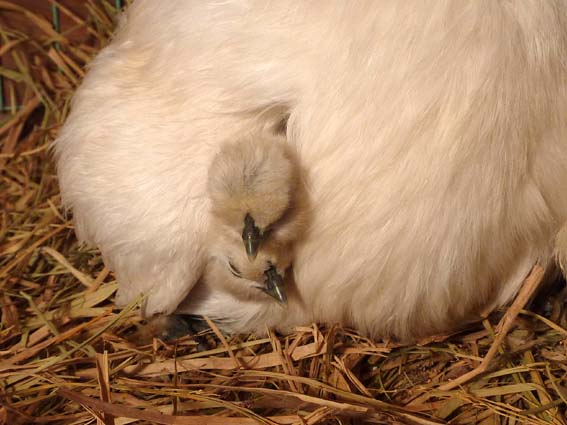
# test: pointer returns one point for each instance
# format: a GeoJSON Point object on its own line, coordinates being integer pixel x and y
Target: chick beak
{"type": "Point", "coordinates": [251, 237]}
{"type": "Point", "coordinates": [275, 285]}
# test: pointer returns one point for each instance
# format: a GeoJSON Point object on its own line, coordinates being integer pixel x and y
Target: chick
{"type": "Point", "coordinates": [258, 209]}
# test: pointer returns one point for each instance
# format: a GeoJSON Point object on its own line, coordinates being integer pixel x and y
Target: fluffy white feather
{"type": "Point", "coordinates": [433, 136]}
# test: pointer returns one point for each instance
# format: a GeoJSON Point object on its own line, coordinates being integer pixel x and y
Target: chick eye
{"type": "Point", "coordinates": [234, 270]}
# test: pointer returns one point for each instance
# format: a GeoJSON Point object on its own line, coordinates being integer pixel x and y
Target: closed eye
{"type": "Point", "coordinates": [234, 270]}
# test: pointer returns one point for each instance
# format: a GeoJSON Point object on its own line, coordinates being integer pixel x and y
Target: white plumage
{"type": "Point", "coordinates": [432, 138]}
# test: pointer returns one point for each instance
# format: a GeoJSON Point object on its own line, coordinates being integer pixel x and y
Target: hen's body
{"type": "Point", "coordinates": [433, 136]}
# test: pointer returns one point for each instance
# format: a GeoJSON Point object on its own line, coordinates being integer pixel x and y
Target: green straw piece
{"type": "Point", "coordinates": [56, 23]}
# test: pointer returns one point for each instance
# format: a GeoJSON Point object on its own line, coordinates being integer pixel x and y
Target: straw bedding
{"type": "Point", "coordinates": [68, 356]}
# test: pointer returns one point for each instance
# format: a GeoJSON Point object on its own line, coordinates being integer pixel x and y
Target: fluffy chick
{"type": "Point", "coordinates": [258, 209]}
{"type": "Point", "coordinates": [258, 212]}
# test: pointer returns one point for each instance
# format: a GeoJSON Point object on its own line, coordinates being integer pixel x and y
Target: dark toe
{"type": "Point", "coordinates": [176, 327]}
{"type": "Point", "coordinates": [196, 323]}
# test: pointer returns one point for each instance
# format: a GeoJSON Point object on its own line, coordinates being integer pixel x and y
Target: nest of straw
{"type": "Point", "coordinates": [66, 353]}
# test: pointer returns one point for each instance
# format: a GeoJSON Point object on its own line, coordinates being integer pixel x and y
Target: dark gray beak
{"type": "Point", "coordinates": [275, 285]}
{"type": "Point", "coordinates": [251, 237]}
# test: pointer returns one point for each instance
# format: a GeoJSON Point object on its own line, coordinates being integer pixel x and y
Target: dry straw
{"type": "Point", "coordinates": [66, 354]}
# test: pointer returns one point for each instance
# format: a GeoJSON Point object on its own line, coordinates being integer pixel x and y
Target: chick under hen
{"type": "Point", "coordinates": [431, 137]}
{"type": "Point", "coordinates": [258, 208]}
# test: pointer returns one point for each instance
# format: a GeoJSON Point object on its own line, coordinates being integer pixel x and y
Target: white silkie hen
{"type": "Point", "coordinates": [432, 139]}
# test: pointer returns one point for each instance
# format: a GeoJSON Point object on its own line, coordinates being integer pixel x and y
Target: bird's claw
{"type": "Point", "coordinates": [251, 237]}
{"type": "Point", "coordinates": [274, 285]}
